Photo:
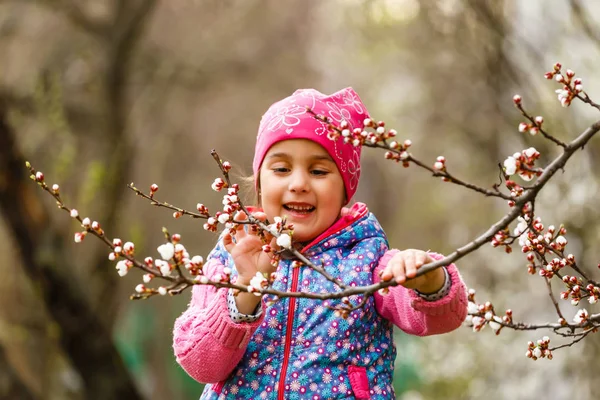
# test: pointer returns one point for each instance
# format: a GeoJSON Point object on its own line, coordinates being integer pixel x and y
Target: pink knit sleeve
{"type": "Point", "coordinates": [417, 316]}
{"type": "Point", "coordinates": [207, 343]}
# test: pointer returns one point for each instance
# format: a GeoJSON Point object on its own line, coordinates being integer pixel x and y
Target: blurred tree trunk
{"type": "Point", "coordinates": [83, 336]}
{"type": "Point", "coordinates": [11, 386]}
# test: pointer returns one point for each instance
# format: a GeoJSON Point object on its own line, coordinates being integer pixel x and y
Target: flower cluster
{"type": "Point", "coordinates": [258, 283]}
{"type": "Point", "coordinates": [480, 315]}
{"type": "Point", "coordinates": [577, 291]}
{"type": "Point", "coordinates": [532, 128]}
{"type": "Point", "coordinates": [440, 164]}
{"type": "Point", "coordinates": [539, 349]}
{"type": "Point", "coordinates": [231, 204]}
{"type": "Point", "coordinates": [516, 190]}
{"type": "Point", "coordinates": [581, 317]}
{"type": "Point", "coordinates": [372, 134]}
{"type": "Point", "coordinates": [360, 136]}
{"type": "Point", "coordinates": [571, 86]}
{"type": "Point", "coordinates": [502, 238]}
{"type": "Point", "coordinates": [523, 164]}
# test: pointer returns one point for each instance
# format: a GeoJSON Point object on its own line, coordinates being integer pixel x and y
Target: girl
{"type": "Point", "coordinates": [299, 348]}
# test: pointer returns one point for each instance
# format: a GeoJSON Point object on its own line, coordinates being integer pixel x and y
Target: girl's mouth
{"type": "Point", "coordinates": [299, 209]}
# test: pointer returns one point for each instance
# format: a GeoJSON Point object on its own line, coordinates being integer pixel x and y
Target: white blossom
{"type": "Point", "coordinates": [284, 240]}
{"type": "Point", "coordinates": [147, 278]}
{"type": "Point", "coordinates": [223, 218]}
{"type": "Point", "coordinates": [581, 316]}
{"type": "Point", "coordinates": [537, 352]}
{"type": "Point", "coordinates": [530, 152]}
{"type": "Point", "coordinates": [257, 282]}
{"type": "Point", "coordinates": [86, 222]}
{"type": "Point", "coordinates": [495, 326]}
{"type": "Point", "coordinates": [122, 268]}
{"type": "Point", "coordinates": [472, 308]}
{"type": "Point", "coordinates": [128, 246]}
{"type": "Point", "coordinates": [166, 251]}
{"type": "Point", "coordinates": [74, 213]}
{"type": "Point", "coordinates": [197, 260]}
{"type": "Point", "coordinates": [140, 288]}
{"type": "Point", "coordinates": [163, 266]}
{"type": "Point", "coordinates": [510, 165]}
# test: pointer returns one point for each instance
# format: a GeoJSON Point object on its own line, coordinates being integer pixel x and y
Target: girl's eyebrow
{"type": "Point", "coordinates": [316, 157]}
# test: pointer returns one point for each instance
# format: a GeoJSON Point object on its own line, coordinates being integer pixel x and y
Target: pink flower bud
{"type": "Point", "coordinates": [140, 288]}
{"type": "Point", "coordinates": [55, 188]}
{"type": "Point", "coordinates": [112, 256]}
{"type": "Point", "coordinates": [226, 166]}
{"type": "Point", "coordinates": [517, 99]}
{"type": "Point", "coordinates": [570, 73]}
{"type": "Point", "coordinates": [86, 222]}
{"type": "Point", "coordinates": [539, 120]}
{"type": "Point", "coordinates": [438, 166]}
{"type": "Point", "coordinates": [548, 75]}
{"type": "Point", "coordinates": [128, 247]}
{"type": "Point", "coordinates": [153, 188]}
{"type": "Point", "coordinates": [177, 214]}
{"type": "Point", "coordinates": [162, 290]}
{"type": "Point", "coordinates": [367, 122]}
{"type": "Point", "coordinates": [74, 213]}
{"type": "Point", "coordinates": [39, 176]}
{"type": "Point", "coordinates": [176, 238]}
{"type": "Point", "coordinates": [95, 225]}
{"type": "Point", "coordinates": [559, 78]}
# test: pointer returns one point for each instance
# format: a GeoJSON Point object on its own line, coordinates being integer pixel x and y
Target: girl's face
{"type": "Point", "coordinates": [300, 180]}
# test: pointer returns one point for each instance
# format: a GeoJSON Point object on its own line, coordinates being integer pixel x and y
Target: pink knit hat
{"type": "Point", "coordinates": [289, 119]}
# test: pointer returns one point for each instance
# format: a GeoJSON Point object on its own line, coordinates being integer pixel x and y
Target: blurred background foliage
{"type": "Point", "coordinates": [99, 93]}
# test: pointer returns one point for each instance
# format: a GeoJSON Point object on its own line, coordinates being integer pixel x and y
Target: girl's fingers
{"type": "Point", "coordinates": [420, 259]}
{"type": "Point", "coordinates": [259, 215]}
{"type": "Point", "coordinates": [387, 274]}
{"type": "Point", "coordinates": [228, 242]}
{"type": "Point", "coordinates": [410, 269]}
{"type": "Point", "coordinates": [399, 269]}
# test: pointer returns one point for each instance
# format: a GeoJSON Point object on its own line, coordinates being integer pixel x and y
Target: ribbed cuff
{"type": "Point", "coordinates": [455, 302]}
{"type": "Point", "coordinates": [223, 329]}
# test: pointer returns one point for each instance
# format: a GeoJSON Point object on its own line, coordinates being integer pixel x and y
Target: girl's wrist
{"type": "Point", "coordinates": [434, 282]}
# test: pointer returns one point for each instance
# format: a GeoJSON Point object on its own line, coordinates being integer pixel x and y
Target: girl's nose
{"type": "Point", "coordinates": [298, 182]}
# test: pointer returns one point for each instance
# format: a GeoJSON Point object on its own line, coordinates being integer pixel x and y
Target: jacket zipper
{"type": "Point", "coordinates": [292, 308]}
{"type": "Point", "coordinates": [288, 336]}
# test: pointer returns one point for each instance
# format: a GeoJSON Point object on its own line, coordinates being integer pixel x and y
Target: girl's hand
{"type": "Point", "coordinates": [406, 263]}
{"type": "Point", "coordinates": [246, 251]}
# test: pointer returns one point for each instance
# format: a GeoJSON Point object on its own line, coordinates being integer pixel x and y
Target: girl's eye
{"type": "Point", "coordinates": [319, 172]}
{"type": "Point", "coordinates": [280, 170]}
